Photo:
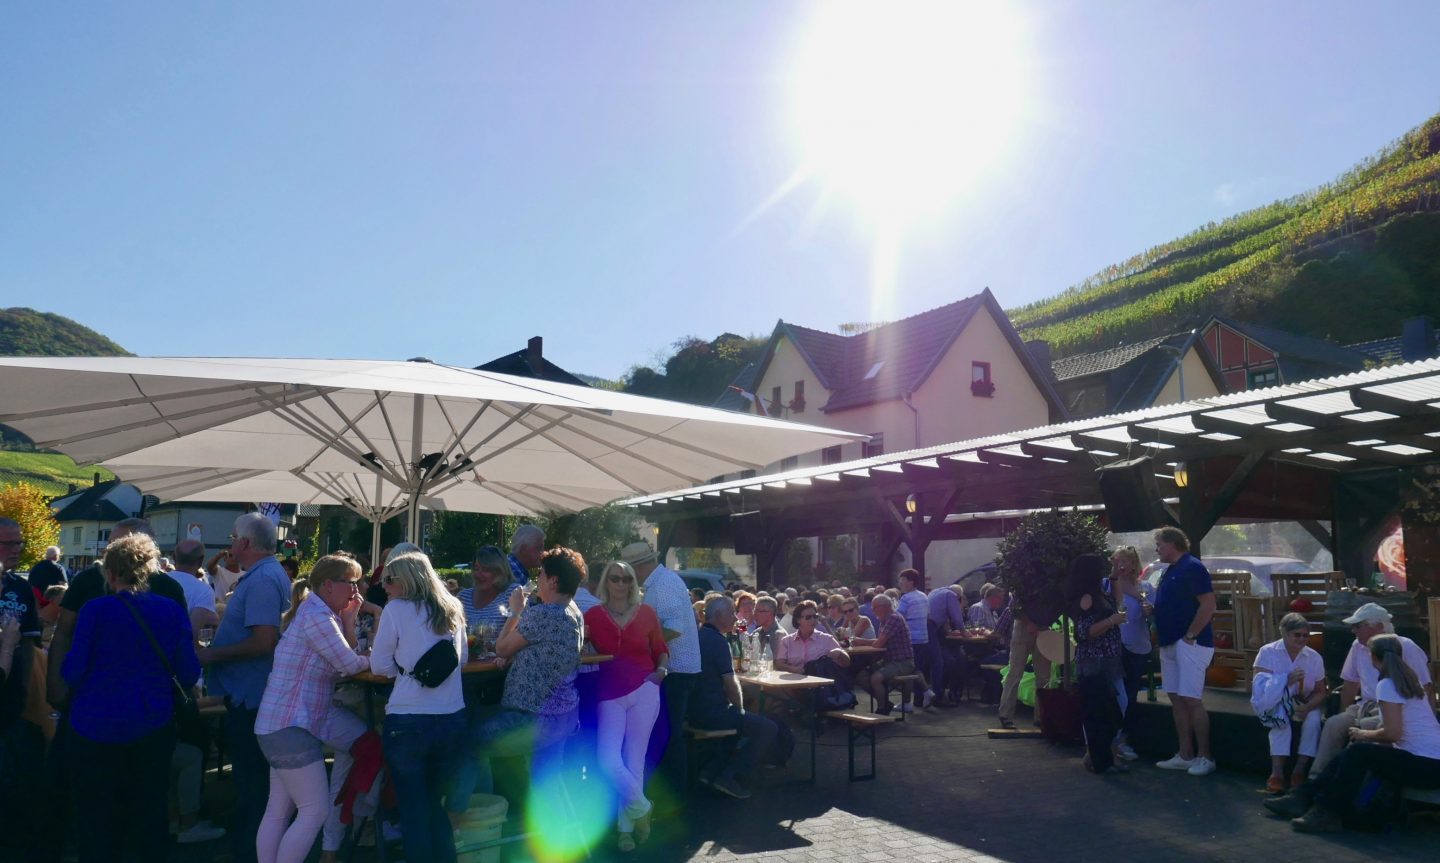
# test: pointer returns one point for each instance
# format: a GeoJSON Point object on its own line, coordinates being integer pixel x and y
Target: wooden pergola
{"type": "Point", "coordinates": [1281, 453]}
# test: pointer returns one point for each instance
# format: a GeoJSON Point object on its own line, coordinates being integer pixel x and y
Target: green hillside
{"type": "Point", "coordinates": [28, 333]}
{"type": "Point", "coordinates": [49, 471]}
{"type": "Point", "coordinates": [1297, 264]}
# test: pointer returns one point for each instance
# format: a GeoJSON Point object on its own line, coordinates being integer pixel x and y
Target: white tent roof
{"type": "Point", "coordinates": [486, 441]}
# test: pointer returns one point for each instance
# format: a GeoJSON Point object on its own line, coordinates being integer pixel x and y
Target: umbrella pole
{"type": "Point", "coordinates": [375, 541]}
{"type": "Point", "coordinates": [412, 518]}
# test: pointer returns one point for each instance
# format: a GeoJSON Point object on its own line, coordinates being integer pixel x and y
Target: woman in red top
{"type": "Point", "coordinates": [628, 691]}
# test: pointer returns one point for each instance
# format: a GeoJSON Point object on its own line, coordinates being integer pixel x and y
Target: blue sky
{"type": "Point", "coordinates": [367, 179]}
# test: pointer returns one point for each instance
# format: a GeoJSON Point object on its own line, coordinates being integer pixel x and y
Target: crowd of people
{"type": "Point", "coordinates": [127, 650]}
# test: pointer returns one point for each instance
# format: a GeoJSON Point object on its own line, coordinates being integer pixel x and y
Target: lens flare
{"type": "Point", "coordinates": [565, 819]}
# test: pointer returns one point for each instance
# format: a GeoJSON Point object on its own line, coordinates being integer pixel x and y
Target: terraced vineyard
{"type": "Point", "coordinates": [1239, 265]}
{"type": "Point", "coordinates": [52, 472]}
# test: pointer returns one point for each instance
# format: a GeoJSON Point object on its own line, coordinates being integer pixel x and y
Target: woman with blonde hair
{"type": "Point", "coordinates": [1405, 749]}
{"type": "Point", "coordinates": [298, 715]}
{"type": "Point", "coordinates": [1135, 596]}
{"type": "Point", "coordinates": [132, 649]}
{"type": "Point", "coordinates": [421, 632]}
{"type": "Point", "coordinates": [628, 692]}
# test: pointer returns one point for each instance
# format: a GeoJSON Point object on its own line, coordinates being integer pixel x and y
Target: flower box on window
{"type": "Point", "coordinates": [984, 389]}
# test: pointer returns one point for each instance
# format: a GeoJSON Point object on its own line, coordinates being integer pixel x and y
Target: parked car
{"type": "Point", "coordinates": [1260, 566]}
{"type": "Point", "coordinates": [706, 579]}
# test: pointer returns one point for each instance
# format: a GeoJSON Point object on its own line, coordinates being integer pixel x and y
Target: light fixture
{"type": "Point", "coordinates": [911, 504]}
{"type": "Point", "coordinates": [1182, 474]}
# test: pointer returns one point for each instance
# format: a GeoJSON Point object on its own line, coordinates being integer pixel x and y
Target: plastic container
{"type": "Point", "coordinates": [483, 822]}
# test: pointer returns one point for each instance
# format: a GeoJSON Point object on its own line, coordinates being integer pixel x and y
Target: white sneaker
{"type": "Point", "coordinates": [1202, 767]}
{"type": "Point", "coordinates": [927, 699]}
{"type": "Point", "coordinates": [907, 707]}
{"type": "Point", "coordinates": [1177, 763]}
{"type": "Point", "coordinates": [1126, 752]}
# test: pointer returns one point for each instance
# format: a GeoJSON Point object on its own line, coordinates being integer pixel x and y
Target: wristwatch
{"type": "Point", "coordinates": [1191, 638]}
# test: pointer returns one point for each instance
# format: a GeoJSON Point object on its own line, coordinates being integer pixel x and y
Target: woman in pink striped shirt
{"type": "Point", "coordinates": [297, 715]}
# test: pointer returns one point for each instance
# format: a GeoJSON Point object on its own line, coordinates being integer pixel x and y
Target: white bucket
{"type": "Point", "coordinates": [483, 822]}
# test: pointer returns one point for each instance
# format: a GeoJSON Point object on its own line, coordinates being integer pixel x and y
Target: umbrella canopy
{"type": "Point", "coordinates": [397, 431]}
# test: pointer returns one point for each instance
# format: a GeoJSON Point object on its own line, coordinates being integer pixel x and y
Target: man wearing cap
{"type": "Point", "coordinates": [1359, 678]}
{"type": "Point", "coordinates": [666, 593]}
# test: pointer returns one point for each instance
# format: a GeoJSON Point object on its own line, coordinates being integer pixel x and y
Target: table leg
{"type": "Point", "coordinates": [814, 733]}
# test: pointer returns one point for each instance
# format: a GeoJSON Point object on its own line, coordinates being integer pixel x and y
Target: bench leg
{"type": "Point", "coordinates": [853, 734]}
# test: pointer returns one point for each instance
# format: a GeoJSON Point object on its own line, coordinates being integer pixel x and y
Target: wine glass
{"type": "Point", "coordinates": [207, 635]}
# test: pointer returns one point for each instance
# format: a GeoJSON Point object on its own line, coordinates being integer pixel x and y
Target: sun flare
{"type": "Point", "coordinates": [900, 106]}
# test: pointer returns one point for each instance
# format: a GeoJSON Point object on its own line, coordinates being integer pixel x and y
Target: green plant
{"type": "Point", "coordinates": [1033, 559]}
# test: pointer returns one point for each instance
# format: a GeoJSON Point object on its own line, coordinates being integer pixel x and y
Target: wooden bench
{"type": "Point", "coordinates": [700, 735]}
{"type": "Point", "coordinates": [1313, 586]}
{"type": "Point", "coordinates": [905, 683]}
{"type": "Point", "coordinates": [1420, 795]}
{"type": "Point", "coordinates": [860, 726]}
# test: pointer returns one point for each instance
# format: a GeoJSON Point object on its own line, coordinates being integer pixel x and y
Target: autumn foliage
{"type": "Point", "coordinates": [30, 506]}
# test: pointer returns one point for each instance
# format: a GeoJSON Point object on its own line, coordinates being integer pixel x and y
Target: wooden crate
{"type": "Point", "coordinates": [1314, 586]}
{"type": "Point", "coordinates": [1232, 590]}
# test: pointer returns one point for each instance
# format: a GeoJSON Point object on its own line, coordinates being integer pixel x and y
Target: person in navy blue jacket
{"type": "Point", "coordinates": [123, 709]}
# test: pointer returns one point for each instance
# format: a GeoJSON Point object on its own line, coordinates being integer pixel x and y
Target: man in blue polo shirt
{"type": "Point", "coordinates": [237, 665]}
{"type": "Point", "coordinates": [1184, 604]}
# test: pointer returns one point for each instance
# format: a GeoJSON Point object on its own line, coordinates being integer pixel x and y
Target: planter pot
{"type": "Point", "coordinates": [1061, 715]}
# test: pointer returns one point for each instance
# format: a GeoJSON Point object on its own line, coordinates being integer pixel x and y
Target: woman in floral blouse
{"type": "Point", "coordinates": [1097, 658]}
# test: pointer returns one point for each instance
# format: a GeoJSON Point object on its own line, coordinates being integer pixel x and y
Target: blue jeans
{"type": "Point", "coordinates": [251, 774]}
{"type": "Point", "coordinates": [420, 751]}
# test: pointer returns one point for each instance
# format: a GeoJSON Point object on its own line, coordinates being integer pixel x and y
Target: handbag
{"type": "Point", "coordinates": [187, 709]}
{"type": "Point", "coordinates": [435, 665]}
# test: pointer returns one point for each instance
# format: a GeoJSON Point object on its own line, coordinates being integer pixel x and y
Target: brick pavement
{"type": "Point", "coordinates": [947, 793]}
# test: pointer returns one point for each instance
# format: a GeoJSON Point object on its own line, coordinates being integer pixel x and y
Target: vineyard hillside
{"type": "Point", "coordinates": [1299, 264]}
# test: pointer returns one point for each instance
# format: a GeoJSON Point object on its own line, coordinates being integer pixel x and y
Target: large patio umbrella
{"type": "Point", "coordinates": [419, 429]}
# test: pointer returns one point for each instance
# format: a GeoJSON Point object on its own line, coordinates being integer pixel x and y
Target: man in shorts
{"type": "Point", "coordinates": [893, 635]}
{"type": "Point", "coordinates": [1184, 604]}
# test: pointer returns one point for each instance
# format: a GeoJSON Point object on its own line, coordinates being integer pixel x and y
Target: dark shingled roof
{"type": "Point", "coordinates": [518, 364]}
{"type": "Point", "coordinates": [731, 400]}
{"type": "Point", "coordinates": [90, 505]}
{"type": "Point", "coordinates": [1081, 365]}
{"type": "Point", "coordinates": [908, 351]}
{"type": "Point", "coordinates": [1383, 351]}
{"type": "Point", "coordinates": [1136, 373]}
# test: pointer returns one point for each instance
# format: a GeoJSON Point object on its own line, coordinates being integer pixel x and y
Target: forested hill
{"type": "Point", "coordinates": [1349, 261]}
{"type": "Point", "coordinates": [28, 333]}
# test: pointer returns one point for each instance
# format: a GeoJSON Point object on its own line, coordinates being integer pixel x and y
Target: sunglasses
{"type": "Point", "coordinates": [390, 579]}
{"type": "Point", "coordinates": [619, 579]}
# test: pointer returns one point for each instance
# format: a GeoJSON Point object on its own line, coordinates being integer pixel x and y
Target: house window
{"type": "Point", "coordinates": [875, 446]}
{"type": "Point", "coordinates": [980, 383]}
{"type": "Point", "coordinates": [775, 406]}
{"type": "Point", "coordinates": [830, 455]}
{"type": "Point", "coordinates": [789, 462]}
{"type": "Point", "coordinates": [77, 535]}
{"type": "Point", "coordinates": [798, 405]}
{"type": "Point", "coordinates": [748, 473]}
{"type": "Point", "coordinates": [103, 536]}
{"type": "Point", "coordinates": [1264, 378]}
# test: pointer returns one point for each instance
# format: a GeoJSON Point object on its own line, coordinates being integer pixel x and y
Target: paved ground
{"type": "Point", "coordinates": [947, 793]}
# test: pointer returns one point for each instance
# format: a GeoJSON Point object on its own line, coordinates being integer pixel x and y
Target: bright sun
{"type": "Point", "coordinates": [902, 105]}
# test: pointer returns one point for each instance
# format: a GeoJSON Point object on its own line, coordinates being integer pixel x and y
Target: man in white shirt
{"type": "Point", "coordinates": [223, 576]}
{"type": "Point", "coordinates": [665, 592]}
{"type": "Point", "coordinates": [199, 595]}
{"type": "Point", "coordinates": [1359, 676]}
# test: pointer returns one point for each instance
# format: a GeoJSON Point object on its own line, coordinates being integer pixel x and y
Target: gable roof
{"type": "Point", "coordinates": [1299, 357]}
{"type": "Point", "coordinates": [731, 400]}
{"type": "Point", "coordinates": [894, 359]}
{"type": "Point", "coordinates": [1140, 371]}
{"type": "Point", "coordinates": [90, 504]}
{"type": "Point", "coordinates": [518, 364]}
{"type": "Point", "coordinates": [1383, 351]}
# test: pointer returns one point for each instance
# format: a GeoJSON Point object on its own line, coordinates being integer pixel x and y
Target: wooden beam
{"type": "Point", "coordinates": [1373, 401]}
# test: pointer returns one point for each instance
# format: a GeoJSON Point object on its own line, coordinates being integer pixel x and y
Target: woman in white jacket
{"type": "Point", "coordinates": [1288, 691]}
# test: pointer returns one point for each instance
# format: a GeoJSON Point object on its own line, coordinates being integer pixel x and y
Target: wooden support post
{"type": "Point", "coordinates": [664, 539]}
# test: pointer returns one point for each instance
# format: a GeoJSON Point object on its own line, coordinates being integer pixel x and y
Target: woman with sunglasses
{"type": "Point", "coordinates": [298, 716]}
{"type": "Point", "coordinates": [857, 623]}
{"type": "Point", "coordinates": [628, 692]}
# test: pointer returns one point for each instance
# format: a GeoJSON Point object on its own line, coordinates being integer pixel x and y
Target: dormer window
{"type": "Point", "coordinates": [874, 370]}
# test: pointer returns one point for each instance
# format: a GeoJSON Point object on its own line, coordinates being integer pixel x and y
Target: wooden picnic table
{"type": "Point", "coordinates": [789, 681]}
{"type": "Point", "coordinates": [474, 666]}
{"type": "Point", "coordinates": [864, 650]}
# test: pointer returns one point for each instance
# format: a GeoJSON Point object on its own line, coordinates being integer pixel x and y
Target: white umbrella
{"type": "Point", "coordinates": [422, 430]}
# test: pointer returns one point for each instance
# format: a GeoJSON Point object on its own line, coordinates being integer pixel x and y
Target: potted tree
{"type": "Point", "coordinates": [1031, 563]}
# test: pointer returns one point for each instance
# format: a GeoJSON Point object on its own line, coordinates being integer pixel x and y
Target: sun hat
{"type": "Point", "coordinates": [637, 552]}
{"type": "Point", "coordinates": [1368, 613]}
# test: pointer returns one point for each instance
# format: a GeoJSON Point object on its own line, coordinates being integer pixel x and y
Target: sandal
{"type": "Point", "coordinates": [642, 826]}
{"type": "Point", "coordinates": [1275, 785]}
{"type": "Point", "coordinates": [626, 843]}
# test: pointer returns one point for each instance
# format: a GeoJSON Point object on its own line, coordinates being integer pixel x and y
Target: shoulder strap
{"type": "Point", "coordinates": [145, 628]}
